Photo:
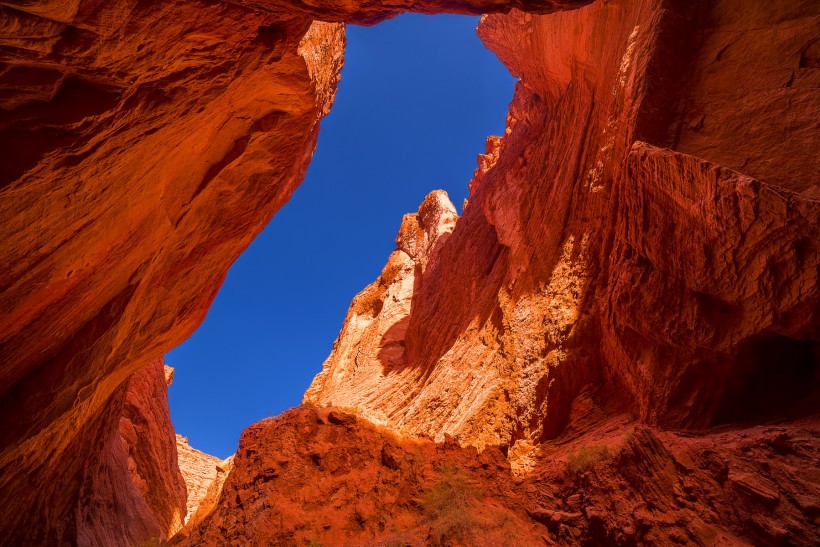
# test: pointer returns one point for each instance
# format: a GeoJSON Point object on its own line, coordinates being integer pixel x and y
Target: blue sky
{"type": "Point", "coordinates": [418, 97]}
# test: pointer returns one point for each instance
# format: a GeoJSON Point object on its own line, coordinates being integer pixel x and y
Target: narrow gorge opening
{"type": "Point", "coordinates": [418, 97]}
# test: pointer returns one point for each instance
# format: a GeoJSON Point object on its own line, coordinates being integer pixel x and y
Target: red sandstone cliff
{"type": "Point", "coordinates": [643, 239]}
{"type": "Point", "coordinates": [130, 490]}
{"type": "Point", "coordinates": [321, 476]}
{"type": "Point", "coordinates": [144, 146]}
{"type": "Point", "coordinates": [634, 230]}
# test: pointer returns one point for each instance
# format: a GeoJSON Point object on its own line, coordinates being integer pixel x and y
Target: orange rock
{"type": "Point", "coordinates": [149, 146]}
{"type": "Point", "coordinates": [323, 476]}
{"type": "Point", "coordinates": [204, 476]}
{"type": "Point", "coordinates": [131, 490]}
{"type": "Point", "coordinates": [643, 238]}
{"type": "Point", "coordinates": [597, 250]}
{"type": "Point", "coordinates": [320, 475]}
{"type": "Point", "coordinates": [144, 147]}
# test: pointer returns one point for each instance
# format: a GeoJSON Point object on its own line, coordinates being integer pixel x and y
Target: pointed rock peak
{"type": "Point", "coordinates": [169, 375]}
{"type": "Point", "coordinates": [419, 231]}
{"type": "Point", "coordinates": [437, 214]}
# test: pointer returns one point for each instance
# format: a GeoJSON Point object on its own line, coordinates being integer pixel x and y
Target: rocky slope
{"type": "Point", "coordinates": [633, 232]}
{"type": "Point", "coordinates": [145, 145]}
{"type": "Point", "coordinates": [321, 476]}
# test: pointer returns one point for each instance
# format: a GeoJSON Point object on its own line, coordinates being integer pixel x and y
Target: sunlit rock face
{"type": "Point", "coordinates": [150, 144]}
{"type": "Point", "coordinates": [204, 476]}
{"type": "Point", "coordinates": [644, 229]}
{"type": "Point", "coordinates": [368, 363]}
{"type": "Point", "coordinates": [144, 145]}
{"type": "Point", "coordinates": [643, 238]}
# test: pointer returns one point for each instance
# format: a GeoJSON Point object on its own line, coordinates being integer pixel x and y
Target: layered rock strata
{"type": "Point", "coordinates": [204, 476]}
{"type": "Point", "coordinates": [130, 490]}
{"type": "Point", "coordinates": [144, 147]}
{"type": "Point", "coordinates": [367, 362]}
{"type": "Point", "coordinates": [645, 232]}
{"type": "Point", "coordinates": [632, 232]}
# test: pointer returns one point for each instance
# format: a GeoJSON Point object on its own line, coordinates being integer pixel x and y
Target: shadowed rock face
{"type": "Point", "coordinates": [642, 238]}
{"type": "Point", "coordinates": [627, 233]}
{"type": "Point", "coordinates": [319, 475]}
{"type": "Point", "coordinates": [131, 489]}
{"type": "Point", "coordinates": [144, 146]}
{"type": "Point", "coordinates": [324, 476]}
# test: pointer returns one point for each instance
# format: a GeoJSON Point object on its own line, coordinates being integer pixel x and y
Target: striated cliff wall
{"type": "Point", "coordinates": [642, 240]}
{"type": "Point", "coordinates": [204, 476]}
{"type": "Point", "coordinates": [633, 233]}
{"type": "Point", "coordinates": [129, 488]}
{"type": "Point", "coordinates": [144, 145]}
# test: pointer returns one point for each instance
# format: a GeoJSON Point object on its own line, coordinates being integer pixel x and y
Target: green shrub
{"type": "Point", "coordinates": [447, 505]}
{"type": "Point", "coordinates": [583, 458]}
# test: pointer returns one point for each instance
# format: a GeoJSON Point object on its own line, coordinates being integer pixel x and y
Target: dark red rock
{"type": "Point", "coordinates": [319, 475]}
{"type": "Point", "coordinates": [643, 239]}
{"type": "Point", "coordinates": [608, 245]}
{"type": "Point", "coordinates": [132, 489]}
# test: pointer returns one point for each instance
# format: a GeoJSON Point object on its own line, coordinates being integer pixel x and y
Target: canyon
{"type": "Point", "coordinates": [615, 343]}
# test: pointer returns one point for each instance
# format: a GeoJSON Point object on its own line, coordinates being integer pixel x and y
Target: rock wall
{"type": "Point", "coordinates": [204, 476]}
{"type": "Point", "coordinates": [129, 489]}
{"type": "Point", "coordinates": [149, 145]}
{"type": "Point", "coordinates": [325, 477]}
{"type": "Point", "coordinates": [646, 231]}
{"type": "Point", "coordinates": [144, 146]}
{"type": "Point", "coordinates": [633, 232]}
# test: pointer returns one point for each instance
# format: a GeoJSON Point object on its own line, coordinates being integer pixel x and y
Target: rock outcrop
{"type": "Point", "coordinates": [322, 476]}
{"type": "Point", "coordinates": [368, 360]}
{"type": "Point", "coordinates": [642, 240]}
{"type": "Point", "coordinates": [627, 234]}
{"type": "Point", "coordinates": [131, 490]}
{"type": "Point", "coordinates": [144, 146]}
{"type": "Point", "coordinates": [204, 476]}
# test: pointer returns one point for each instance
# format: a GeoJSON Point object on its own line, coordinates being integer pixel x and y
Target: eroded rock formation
{"type": "Point", "coordinates": [319, 475]}
{"type": "Point", "coordinates": [204, 476]}
{"type": "Point", "coordinates": [367, 362]}
{"type": "Point", "coordinates": [627, 233]}
{"type": "Point", "coordinates": [330, 478]}
{"type": "Point", "coordinates": [643, 239]}
{"type": "Point", "coordinates": [129, 490]}
{"type": "Point", "coordinates": [144, 147]}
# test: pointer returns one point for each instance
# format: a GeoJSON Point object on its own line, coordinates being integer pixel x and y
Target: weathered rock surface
{"type": "Point", "coordinates": [635, 485]}
{"type": "Point", "coordinates": [327, 477]}
{"type": "Point", "coordinates": [626, 233]}
{"type": "Point", "coordinates": [323, 476]}
{"type": "Point", "coordinates": [204, 476]}
{"type": "Point", "coordinates": [144, 147]}
{"type": "Point", "coordinates": [642, 239]}
{"type": "Point", "coordinates": [131, 489]}
{"type": "Point", "coordinates": [154, 144]}
{"type": "Point", "coordinates": [367, 362]}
